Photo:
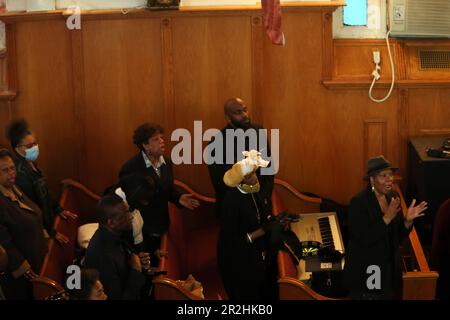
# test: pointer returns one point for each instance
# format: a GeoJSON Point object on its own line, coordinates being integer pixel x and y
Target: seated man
{"type": "Point", "coordinates": [119, 267]}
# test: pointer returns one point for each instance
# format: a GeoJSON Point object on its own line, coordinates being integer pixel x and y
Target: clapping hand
{"type": "Point", "coordinates": [392, 210]}
{"type": "Point", "coordinates": [416, 211]}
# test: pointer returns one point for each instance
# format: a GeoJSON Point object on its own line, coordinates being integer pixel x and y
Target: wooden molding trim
{"type": "Point", "coordinates": [368, 124]}
{"type": "Point", "coordinates": [327, 45]}
{"type": "Point", "coordinates": [298, 5]}
{"type": "Point", "coordinates": [11, 57]}
{"type": "Point", "coordinates": [79, 100]}
{"type": "Point", "coordinates": [297, 193]}
{"type": "Point", "coordinates": [403, 128]}
{"type": "Point", "coordinates": [431, 132]}
{"type": "Point", "coordinates": [9, 17]}
{"type": "Point", "coordinates": [7, 95]}
{"type": "Point", "coordinates": [357, 83]}
{"type": "Point", "coordinates": [167, 71]}
{"type": "Point", "coordinates": [257, 47]}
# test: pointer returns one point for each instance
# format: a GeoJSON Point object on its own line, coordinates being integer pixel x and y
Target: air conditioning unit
{"type": "Point", "coordinates": [419, 18]}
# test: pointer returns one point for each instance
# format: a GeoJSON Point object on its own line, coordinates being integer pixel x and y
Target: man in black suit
{"type": "Point", "coordinates": [151, 163]}
{"type": "Point", "coordinates": [120, 268]}
{"type": "Point", "coordinates": [236, 114]}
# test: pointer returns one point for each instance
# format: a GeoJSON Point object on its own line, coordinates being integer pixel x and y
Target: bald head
{"type": "Point", "coordinates": [232, 104]}
{"type": "Point", "coordinates": [236, 113]}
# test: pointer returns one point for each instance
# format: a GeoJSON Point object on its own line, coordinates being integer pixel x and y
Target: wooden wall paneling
{"type": "Point", "coordinates": [212, 62]}
{"type": "Point", "coordinates": [123, 89]}
{"type": "Point", "coordinates": [353, 59]}
{"type": "Point", "coordinates": [375, 139]}
{"type": "Point", "coordinates": [3, 71]}
{"type": "Point", "coordinates": [400, 65]}
{"type": "Point", "coordinates": [428, 111]}
{"type": "Point", "coordinates": [327, 45]}
{"type": "Point", "coordinates": [11, 56]}
{"type": "Point", "coordinates": [415, 71]}
{"type": "Point", "coordinates": [5, 117]}
{"type": "Point", "coordinates": [167, 75]}
{"type": "Point", "coordinates": [402, 119]}
{"type": "Point", "coordinates": [307, 114]}
{"type": "Point", "coordinates": [258, 34]}
{"type": "Point", "coordinates": [79, 104]}
{"type": "Point", "coordinates": [45, 99]}
{"type": "Point", "coordinates": [173, 68]}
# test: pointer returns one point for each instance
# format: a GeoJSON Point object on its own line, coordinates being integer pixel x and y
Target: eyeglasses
{"type": "Point", "coordinates": [29, 145]}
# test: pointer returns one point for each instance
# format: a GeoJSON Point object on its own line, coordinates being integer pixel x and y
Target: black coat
{"type": "Point", "coordinates": [34, 185]}
{"type": "Point", "coordinates": [245, 273]}
{"type": "Point", "coordinates": [109, 254]}
{"type": "Point", "coordinates": [156, 213]}
{"type": "Point", "coordinates": [217, 170]}
{"type": "Point", "coordinates": [22, 237]}
{"type": "Point", "coordinates": [372, 242]}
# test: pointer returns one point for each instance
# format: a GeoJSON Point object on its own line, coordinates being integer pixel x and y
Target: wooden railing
{"type": "Point", "coordinates": [417, 284]}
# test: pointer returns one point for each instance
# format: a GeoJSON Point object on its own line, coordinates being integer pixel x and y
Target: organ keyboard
{"type": "Point", "coordinates": [322, 227]}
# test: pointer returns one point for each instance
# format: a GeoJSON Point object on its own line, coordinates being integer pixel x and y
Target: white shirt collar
{"type": "Point", "coordinates": [149, 164]}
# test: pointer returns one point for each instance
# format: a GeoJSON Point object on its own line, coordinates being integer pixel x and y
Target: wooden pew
{"type": "Point", "coordinates": [191, 243]}
{"type": "Point", "coordinates": [77, 199]}
{"type": "Point", "coordinates": [419, 282]}
{"type": "Point", "coordinates": [290, 288]}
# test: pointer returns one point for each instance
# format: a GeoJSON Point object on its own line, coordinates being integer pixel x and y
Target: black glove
{"type": "Point", "coordinates": [286, 217]}
{"type": "Point", "coordinates": [272, 226]}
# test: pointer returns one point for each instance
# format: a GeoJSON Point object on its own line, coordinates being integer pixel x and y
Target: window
{"type": "Point", "coordinates": [360, 19]}
{"type": "Point", "coordinates": [355, 13]}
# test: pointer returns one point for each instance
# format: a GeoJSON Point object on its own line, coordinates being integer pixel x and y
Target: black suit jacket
{"type": "Point", "coordinates": [156, 214]}
{"type": "Point", "coordinates": [108, 253]}
{"type": "Point", "coordinates": [217, 170]}
{"type": "Point", "coordinates": [372, 242]}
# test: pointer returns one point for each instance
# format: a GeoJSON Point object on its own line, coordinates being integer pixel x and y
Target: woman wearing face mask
{"type": "Point", "coordinates": [30, 179]}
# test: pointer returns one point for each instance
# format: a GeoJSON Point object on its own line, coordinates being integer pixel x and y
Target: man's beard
{"type": "Point", "coordinates": [245, 124]}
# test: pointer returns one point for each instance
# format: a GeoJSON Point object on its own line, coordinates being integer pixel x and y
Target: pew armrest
{"type": "Point", "coordinates": [167, 289]}
{"type": "Point", "coordinates": [293, 289]}
{"type": "Point", "coordinates": [44, 287]}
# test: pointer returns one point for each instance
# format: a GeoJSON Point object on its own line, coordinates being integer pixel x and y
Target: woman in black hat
{"type": "Point", "coordinates": [377, 226]}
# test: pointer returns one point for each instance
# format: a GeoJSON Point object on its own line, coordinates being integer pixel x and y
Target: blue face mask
{"type": "Point", "coordinates": [32, 154]}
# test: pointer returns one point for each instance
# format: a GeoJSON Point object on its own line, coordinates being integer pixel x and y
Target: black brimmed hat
{"type": "Point", "coordinates": [377, 164]}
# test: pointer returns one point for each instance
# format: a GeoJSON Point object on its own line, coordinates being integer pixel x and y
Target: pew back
{"type": "Point", "coordinates": [77, 199]}
{"type": "Point", "coordinates": [191, 243]}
